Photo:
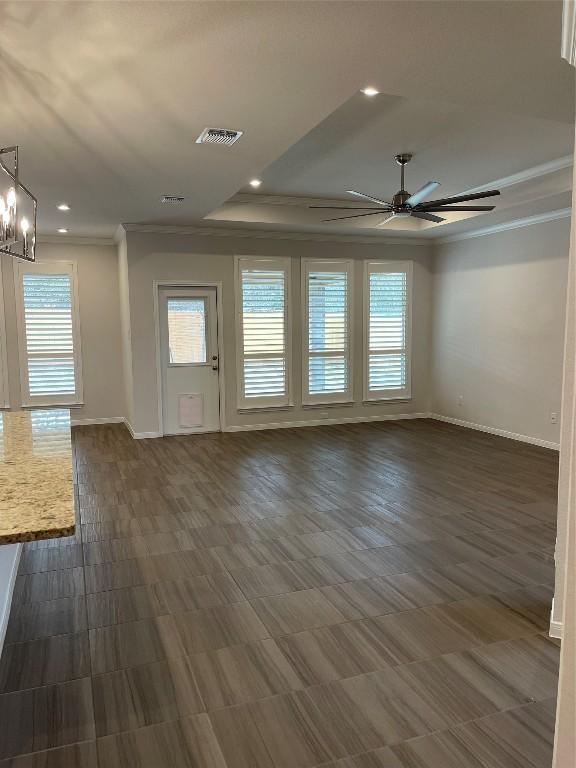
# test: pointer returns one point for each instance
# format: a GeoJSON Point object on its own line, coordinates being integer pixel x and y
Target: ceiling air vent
{"type": "Point", "coordinates": [218, 136]}
{"type": "Point", "coordinates": [174, 199]}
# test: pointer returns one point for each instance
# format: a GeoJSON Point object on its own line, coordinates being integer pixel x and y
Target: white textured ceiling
{"type": "Point", "coordinates": [106, 99]}
{"type": "Point", "coordinates": [461, 147]}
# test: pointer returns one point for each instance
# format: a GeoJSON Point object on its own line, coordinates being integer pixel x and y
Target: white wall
{"type": "Point", "coordinates": [488, 323]}
{"type": "Point", "coordinates": [99, 326]}
{"type": "Point", "coordinates": [153, 256]}
{"type": "Point", "coordinates": [498, 309]}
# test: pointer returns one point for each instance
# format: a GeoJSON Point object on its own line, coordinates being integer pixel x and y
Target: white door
{"type": "Point", "coordinates": [189, 360]}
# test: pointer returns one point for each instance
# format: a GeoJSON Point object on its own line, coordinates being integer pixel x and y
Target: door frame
{"type": "Point", "coordinates": [176, 284]}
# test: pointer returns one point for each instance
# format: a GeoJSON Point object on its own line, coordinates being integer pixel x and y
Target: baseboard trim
{"type": "Point", "coordinates": [556, 630]}
{"type": "Point", "coordinates": [89, 422]}
{"type": "Point", "coordinates": [140, 435]}
{"type": "Point", "coordinates": [291, 424]}
{"type": "Point", "coordinates": [495, 431]}
{"type": "Point", "coordinates": [325, 422]}
{"type": "Point", "coordinates": [7, 595]}
{"type": "Point", "coordinates": [337, 420]}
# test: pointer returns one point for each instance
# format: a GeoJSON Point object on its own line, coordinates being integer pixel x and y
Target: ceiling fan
{"type": "Point", "coordinates": [404, 204]}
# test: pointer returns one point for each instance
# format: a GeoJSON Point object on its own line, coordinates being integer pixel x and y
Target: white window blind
{"type": "Point", "coordinates": [263, 337]}
{"type": "Point", "coordinates": [48, 333]}
{"type": "Point", "coordinates": [387, 329]}
{"type": "Point", "coordinates": [327, 324]}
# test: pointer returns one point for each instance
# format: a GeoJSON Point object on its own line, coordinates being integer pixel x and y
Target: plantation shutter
{"type": "Point", "coordinates": [326, 364]}
{"type": "Point", "coordinates": [48, 334]}
{"type": "Point", "coordinates": [264, 333]}
{"type": "Point", "coordinates": [388, 328]}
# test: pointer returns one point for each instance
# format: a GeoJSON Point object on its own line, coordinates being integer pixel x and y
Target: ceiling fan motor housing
{"type": "Point", "coordinates": [399, 199]}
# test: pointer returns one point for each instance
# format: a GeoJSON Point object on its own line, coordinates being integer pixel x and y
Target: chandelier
{"type": "Point", "coordinates": [17, 209]}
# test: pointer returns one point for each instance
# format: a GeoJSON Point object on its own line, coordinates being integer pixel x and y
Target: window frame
{"type": "Point", "coordinates": [327, 265]}
{"type": "Point", "coordinates": [4, 391]}
{"type": "Point", "coordinates": [388, 267]}
{"type": "Point", "coordinates": [48, 268]}
{"type": "Point", "coordinates": [276, 264]}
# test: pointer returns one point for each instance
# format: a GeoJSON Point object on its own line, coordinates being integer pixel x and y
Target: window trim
{"type": "Point", "coordinates": [327, 265]}
{"type": "Point", "coordinates": [46, 268]}
{"type": "Point", "coordinates": [387, 266]}
{"type": "Point", "coordinates": [262, 262]}
{"type": "Point", "coordinates": [4, 390]}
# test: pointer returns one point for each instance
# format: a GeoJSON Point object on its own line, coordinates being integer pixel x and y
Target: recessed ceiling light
{"type": "Point", "coordinates": [63, 207]}
{"type": "Point", "coordinates": [369, 91]}
{"type": "Point", "coordinates": [62, 230]}
{"type": "Point", "coordinates": [255, 183]}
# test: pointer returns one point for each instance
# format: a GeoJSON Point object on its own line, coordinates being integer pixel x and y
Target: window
{"type": "Point", "coordinates": [326, 366]}
{"type": "Point", "coordinates": [187, 331]}
{"type": "Point", "coordinates": [48, 333]}
{"type": "Point", "coordinates": [263, 301]}
{"type": "Point", "coordinates": [387, 302]}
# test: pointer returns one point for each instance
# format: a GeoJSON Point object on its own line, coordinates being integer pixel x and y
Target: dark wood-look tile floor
{"type": "Point", "coordinates": [368, 596]}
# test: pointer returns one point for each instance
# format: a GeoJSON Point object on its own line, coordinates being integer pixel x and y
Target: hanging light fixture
{"type": "Point", "coordinates": [17, 210]}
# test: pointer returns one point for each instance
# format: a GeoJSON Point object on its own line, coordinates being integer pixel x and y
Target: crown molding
{"type": "Point", "coordinates": [75, 240]}
{"type": "Point", "coordinates": [569, 32]}
{"type": "Point", "coordinates": [539, 218]}
{"type": "Point", "coordinates": [265, 234]}
{"type": "Point", "coordinates": [561, 164]}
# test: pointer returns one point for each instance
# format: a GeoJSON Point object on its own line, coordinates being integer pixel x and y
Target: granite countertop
{"type": "Point", "coordinates": [36, 485]}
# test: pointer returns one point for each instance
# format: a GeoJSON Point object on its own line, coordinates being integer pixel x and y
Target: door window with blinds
{"type": "Point", "coordinates": [186, 331]}
{"type": "Point", "coordinates": [48, 333]}
{"type": "Point", "coordinates": [326, 365]}
{"type": "Point", "coordinates": [263, 301]}
{"type": "Point", "coordinates": [387, 326]}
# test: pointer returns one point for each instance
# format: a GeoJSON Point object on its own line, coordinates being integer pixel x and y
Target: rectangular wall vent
{"type": "Point", "coordinates": [218, 136]}
{"type": "Point", "coordinates": [171, 199]}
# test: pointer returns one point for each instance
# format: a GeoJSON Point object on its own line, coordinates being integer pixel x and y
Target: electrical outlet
{"type": "Point", "coordinates": [553, 418]}
{"type": "Point", "coordinates": [460, 401]}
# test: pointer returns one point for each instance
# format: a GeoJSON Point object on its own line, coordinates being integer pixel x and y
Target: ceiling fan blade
{"type": "Point", "coordinates": [427, 216]}
{"type": "Point", "coordinates": [423, 192]}
{"type": "Point", "coordinates": [385, 221]}
{"type": "Point", "coordinates": [357, 216]}
{"type": "Point", "coordinates": [368, 197]}
{"type": "Point", "coordinates": [447, 208]}
{"type": "Point", "coordinates": [347, 207]}
{"type": "Point", "coordinates": [459, 199]}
